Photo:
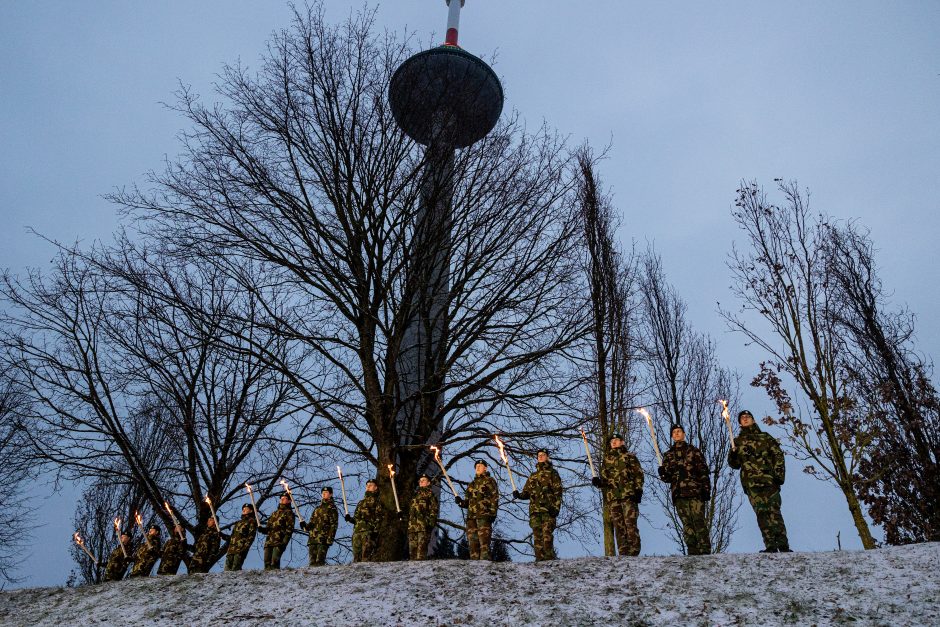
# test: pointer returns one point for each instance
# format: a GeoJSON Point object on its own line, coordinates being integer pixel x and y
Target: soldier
{"type": "Point", "coordinates": [621, 480]}
{"type": "Point", "coordinates": [685, 470]}
{"type": "Point", "coordinates": [543, 491]}
{"type": "Point", "coordinates": [207, 548]}
{"type": "Point", "coordinates": [367, 522]}
{"type": "Point", "coordinates": [279, 530]}
{"type": "Point", "coordinates": [243, 536]}
{"type": "Point", "coordinates": [321, 529]}
{"type": "Point", "coordinates": [174, 552]}
{"type": "Point", "coordinates": [117, 562]}
{"type": "Point", "coordinates": [760, 459]}
{"type": "Point", "coordinates": [147, 554]}
{"type": "Point", "coordinates": [422, 518]}
{"type": "Point", "coordinates": [481, 503]}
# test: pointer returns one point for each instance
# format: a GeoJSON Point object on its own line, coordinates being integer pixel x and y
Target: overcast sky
{"type": "Point", "coordinates": [692, 97]}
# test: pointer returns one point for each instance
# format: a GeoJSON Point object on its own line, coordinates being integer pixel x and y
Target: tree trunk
{"type": "Point", "coordinates": [864, 533]}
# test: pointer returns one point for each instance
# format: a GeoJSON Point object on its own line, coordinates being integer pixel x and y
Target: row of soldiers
{"type": "Point", "coordinates": [755, 453]}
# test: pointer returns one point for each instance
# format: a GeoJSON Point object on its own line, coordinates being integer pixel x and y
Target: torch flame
{"type": "Point", "coordinates": [78, 539]}
{"type": "Point", "coordinates": [502, 449]}
{"type": "Point", "coordinates": [437, 452]}
{"type": "Point", "coordinates": [248, 486]}
{"type": "Point", "coordinates": [724, 410]}
{"type": "Point", "coordinates": [642, 411]}
{"type": "Point", "coordinates": [140, 521]}
{"type": "Point", "coordinates": [286, 487]}
{"type": "Point", "coordinates": [117, 525]}
{"type": "Point", "coordinates": [391, 470]}
{"type": "Point", "coordinates": [167, 506]}
{"type": "Point", "coordinates": [208, 500]}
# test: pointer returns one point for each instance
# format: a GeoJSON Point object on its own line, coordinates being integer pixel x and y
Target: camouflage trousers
{"type": "Point", "coordinates": [479, 532]}
{"type": "Point", "coordinates": [199, 565]}
{"type": "Point", "coordinates": [766, 504]}
{"type": "Point", "coordinates": [543, 536]}
{"type": "Point", "coordinates": [142, 569]}
{"type": "Point", "coordinates": [234, 561]}
{"type": "Point", "coordinates": [116, 569]}
{"type": "Point", "coordinates": [364, 544]}
{"type": "Point", "coordinates": [623, 516]}
{"type": "Point", "coordinates": [169, 567]}
{"type": "Point", "coordinates": [418, 542]}
{"type": "Point", "coordinates": [694, 530]}
{"type": "Point", "coordinates": [272, 556]}
{"type": "Point", "coordinates": [317, 553]}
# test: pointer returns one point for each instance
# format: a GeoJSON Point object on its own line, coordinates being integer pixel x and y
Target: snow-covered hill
{"type": "Point", "coordinates": [895, 586]}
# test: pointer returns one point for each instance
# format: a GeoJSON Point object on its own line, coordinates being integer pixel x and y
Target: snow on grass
{"type": "Point", "coordinates": [894, 586]}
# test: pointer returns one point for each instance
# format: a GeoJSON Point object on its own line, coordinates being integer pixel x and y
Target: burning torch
{"type": "Point", "coordinates": [81, 545]}
{"type": "Point", "coordinates": [587, 451]}
{"type": "Point", "coordinates": [342, 487]}
{"type": "Point", "coordinates": [649, 423]}
{"type": "Point", "coordinates": [251, 495]}
{"type": "Point", "coordinates": [117, 532]}
{"type": "Point", "coordinates": [176, 523]}
{"type": "Point", "coordinates": [437, 458]}
{"type": "Point", "coordinates": [391, 477]}
{"type": "Point", "coordinates": [502, 453]}
{"type": "Point", "coordinates": [140, 524]}
{"type": "Point", "coordinates": [727, 416]}
{"type": "Point", "coordinates": [292, 501]}
{"type": "Point", "coordinates": [212, 511]}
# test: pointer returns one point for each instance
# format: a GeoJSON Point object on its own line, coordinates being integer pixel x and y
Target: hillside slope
{"type": "Point", "coordinates": [896, 586]}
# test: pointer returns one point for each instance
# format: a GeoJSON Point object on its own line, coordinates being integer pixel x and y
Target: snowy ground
{"type": "Point", "coordinates": [896, 586]}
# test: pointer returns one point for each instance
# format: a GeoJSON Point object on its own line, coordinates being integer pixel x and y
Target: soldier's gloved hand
{"type": "Point", "coordinates": [638, 497]}
{"type": "Point", "coordinates": [553, 513]}
{"type": "Point", "coordinates": [458, 501]}
{"type": "Point", "coordinates": [597, 482]}
{"type": "Point", "coordinates": [350, 518]}
{"type": "Point", "coordinates": [516, 495]}
{"type": "Point", "coordinates": [778, 481]}
{"type": "Point", "coordinates": [401, 516]}
{"type": "Point", "coordinates": [303, 525]}
{"type": "Point", "coordinates": [662, 473]}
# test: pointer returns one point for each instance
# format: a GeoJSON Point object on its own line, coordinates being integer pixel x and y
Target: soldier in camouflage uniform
{"type": "Point", "coordinates": [685, 470]}
{"type": "Point", "coordinates": [207, 549]}
{"type": "Point", "coordinates": [621, 480]}
{"type": "Point", "coordinates": [422, 518]}
{"type": "Point", "coordinates": [243, 536]}
{"type": "Point", "coordinates": [279, 530]}
{"type": "Point", "coordinates": [321, 529]}
{"type": "Point", "coordinates": [481, 503]}
{"type": "Point", "coordinates": [760, 459]}
{"type": "Point", "coordinates": [147, 554]}
{"type": "Point", "coordinates": [117, 562]}
{"type": "Point", "coordinates": [174, 552]}
{"type": "Point", "coordinates": [543, 491]}
{"type": "Point", "coordinates": [367, 521]}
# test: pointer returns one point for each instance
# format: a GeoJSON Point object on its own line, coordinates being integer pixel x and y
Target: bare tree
{"type": "Point", "coordinates": [17, 472]}
{"type": "Point", "coordinates": [685, 381]}
{"type": "Point", "coordinates": [300, 188]}
{"type": "Point", "coordinates": [134, 380]}
{"type": "Point", "coordinates": [900, 473]}
{"type": "Point", "coordinates": [782, 278]}
{"type": "Point", "coordinates": [611, 277]}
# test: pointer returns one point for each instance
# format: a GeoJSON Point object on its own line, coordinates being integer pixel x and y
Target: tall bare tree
{"type": "Point", "coordinates": [611, 278]}
{"type": "Point", "coordinates": [781, 279]}
{"type": "Point", "coordinates": [685, 381]}
{"type": "Point", "coordinates": [893, 382]}
{"type": "Point", "coordinates": [17, 473]}
{"type": "Point", "coordinates": [300, 187]}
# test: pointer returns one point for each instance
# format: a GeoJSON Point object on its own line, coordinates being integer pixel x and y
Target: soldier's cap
{"type": "Point", "coordinates": [154, 526]}
{"type": "Point", "coordinates": [615, 436]}
{"type": "Point", "coordinates": [424, 477]}
{"type": "Point", "coordinates": [676, 426]}
{"type": "Point", "coordinates": [326, 488]}
{"type": "Point", "coordinates": [373, 481]}
{"type": "Point", "coordinates": [284, 495]}
{"type": "Point", "coordinates": [542, 450]}
{"type": "Point", "coordinates": [743, 413]}
{"type": "Point", "coordinates": [480, 462]}
{"type": "Point", "coordinates": [246, 506]}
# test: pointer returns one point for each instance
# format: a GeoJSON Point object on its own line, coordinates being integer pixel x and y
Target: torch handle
{"type": "Point", "coordinates": [730, 433]}
{"type": "Point", "coordinates": [342, 487]}
{"type": "Point", "coordinates": [395, 494]}
{"type": "Point", "coordinates": [294, 505]}
{"type": "Point", "coordinates": [512, 481]}
{"type": "Point", "coordinates": [446, 476]}
{"type": "Point", "coordinates": [587, 451]}
{"type": "Point", "coordinates": [87, 552]}
{"type": "Point", "coordinates": [254, 507]}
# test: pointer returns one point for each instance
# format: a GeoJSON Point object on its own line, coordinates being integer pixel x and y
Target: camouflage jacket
{"type": "Point", "coordinates": [243, 534]}
{"type": "Point", "coordinates": [760, 459]}
{"type": "Point", "coordinates": [422, 515]}
{"type": "Point", "coordinates": [206, 551]}
{"type": "Point", "coordinates": [280, 526]}
{"type": "Point", "coordinates": [369, 514]}
{"type": "Point", "coordinates": [482, 500]}
{"type": "Point", "coordinates": [117, 564]}
{"type": "Point", "coordinates": [684, 468]}
{"type": "Point", "coordinates": [146, 557]}
{"type": "Point", "coordinates": [174, 551]}
{"type": "Point", "coordinates": [622, 476]}
{"type": "Point", "coordinates": [322, 525]}
{"type": "Point", "coordinates": [543, 489]}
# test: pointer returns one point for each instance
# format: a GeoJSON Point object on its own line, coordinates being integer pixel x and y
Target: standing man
{"type": "Point", "coordinates": [621, 480]}
{"type": "Point", "coordinates": [207, 548]}
{"type": "Point", "coordinates": [117, 562]}
{"type": "Point", "coordinates": [481, 503]}
{"type": "Point", "coordinates": [422, 518]}
{"type": "Point", "coordinates": [147, 553]}
{"type": "Point", "coordinates": [243, 536]}
{"type": "Point", "coordinates": [759, 457]}
{"type": "Point", "coordinates": [174, 552]}
{"type": "Point", "coordinates": [367, 523]}
{"type": "Point", "coordinates": [543, 491]}
{"type": "Point", "coordinates": [279, 530]}
{"type": "Point", "coordinates": [685, 470]}
{"type": "Point", "coordinates": [322, 528]}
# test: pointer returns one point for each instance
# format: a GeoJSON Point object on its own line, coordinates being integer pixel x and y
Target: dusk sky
{"type": "Point", "coordinates": [843, 96]}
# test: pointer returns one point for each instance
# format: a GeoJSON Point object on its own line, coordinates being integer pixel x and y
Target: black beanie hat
{"type": "Point", "coordinates": [743, 413]}
{"type": "Point", "coordinates": [674, 427]}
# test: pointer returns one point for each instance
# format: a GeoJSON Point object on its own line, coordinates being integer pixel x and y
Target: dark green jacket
{"type": "Point", "coordinates": [759, 457]}
{"type": "Point", "coordinates": [543, 490]}
{"type": "Point", "coordinates": [280, 526]}
{"type": "Point", "coordinates": [686, 472]}
{"type": "Point", "coordinates": [243, 534]}
{"type": "Point", "coordinates": [323, 522]}
{"type": "Point", "coordinates": [621, 476]}
{"type": "Point", "coordinates": [482, 500]}
{"type": "Point", "coordinates": [117, 564]}
{"type": "Point", "coordinates": [370, 514]}
{"type": "Point", "coordinates": [146, 557]}
{"type": "Point", "coordinates": [206, 551]}
{"type": "Point", "coordinates": [422, 515]}
{"type": "Point", "coordinates": [174, 551]}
